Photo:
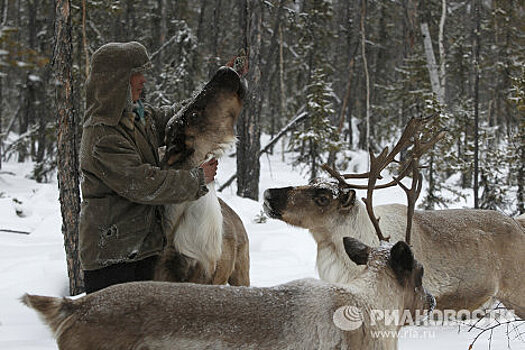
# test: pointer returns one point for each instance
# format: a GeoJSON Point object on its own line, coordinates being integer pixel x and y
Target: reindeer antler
{"type": "Point", "coordinates": [410, 137]}
{"type": "Point", "coordinates": [368, 201]}
{"type": "Point", "coordinates": [413, 192]}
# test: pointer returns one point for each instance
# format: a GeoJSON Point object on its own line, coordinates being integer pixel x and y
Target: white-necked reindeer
{"type": "Point", "coordinates": [470, 256]}
{"type": "Point", "coordinates": [207, 242]}
{"type": "Point", "coordinates": [296, 315]}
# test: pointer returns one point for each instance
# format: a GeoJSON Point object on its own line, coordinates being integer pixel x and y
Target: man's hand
{"type": "Point", "coordinates": [210, 170]}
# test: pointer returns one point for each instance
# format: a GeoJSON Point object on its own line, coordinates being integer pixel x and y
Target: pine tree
{"type": "Point", "coordinates": [314, 34]}
{"type": "Point", "coordinates": [320, 137]}
{"type": "Point", "coordinates": [493, 171]}
{"type": "Point", "coordinates": [177, 79]}
{"type": "Point", "coordinates": [516, 145]}
{"type": "Point", "coordinates": [442, 161]}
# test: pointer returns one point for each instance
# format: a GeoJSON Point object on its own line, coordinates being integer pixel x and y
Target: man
{"type": "Point", "coordinates": [123, 186]}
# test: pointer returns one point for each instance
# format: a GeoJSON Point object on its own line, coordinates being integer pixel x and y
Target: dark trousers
{"type": "Point", "coordinates": [142, 270]}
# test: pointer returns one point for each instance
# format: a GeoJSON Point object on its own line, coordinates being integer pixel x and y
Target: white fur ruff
{"type": "Point", "coordinates": [197, 226]}
{"type": "Point", "coordinates": [221, 149]}
{"type": "Point", "coordinates": [198, 234]}
{"type": "Point", "coordinates": [333, 264]}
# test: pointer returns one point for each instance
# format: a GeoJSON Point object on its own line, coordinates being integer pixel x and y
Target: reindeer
{"type": "Point", "coordinates": [298, 315]}
{"type": "Point", "coordinates": [207, 242]}
{"type": "Point", "coordinates": [471, 256]}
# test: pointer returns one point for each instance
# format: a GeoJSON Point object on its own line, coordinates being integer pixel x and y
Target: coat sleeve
{"type": "Point", "coordinates": [120, 167]}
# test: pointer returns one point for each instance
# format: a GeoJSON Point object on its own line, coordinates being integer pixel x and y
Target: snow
{"type": "Point", "coordinates": [279, 253]}
{"type": "Point", "coordinates": [21, 64]}
{"type": "Point", "coordinates": [33, 77]}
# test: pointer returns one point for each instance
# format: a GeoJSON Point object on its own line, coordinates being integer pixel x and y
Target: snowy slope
{"type": "Point", "coordinates": [279, 253]}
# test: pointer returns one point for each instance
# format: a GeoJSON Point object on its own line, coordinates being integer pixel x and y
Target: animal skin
{"type": "Point", "coordinates": [470, 256]}
{"type": "Point", "coordinates": [207, 242]}
{"type": "Point", "coordinates": [296, 315]}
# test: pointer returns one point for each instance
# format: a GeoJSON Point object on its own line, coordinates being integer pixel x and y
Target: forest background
{"type": "Point", "coordinates": [337, 75]}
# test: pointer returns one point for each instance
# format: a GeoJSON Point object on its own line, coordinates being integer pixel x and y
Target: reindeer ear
{"type": "Point", "coordinates": [346, 198]}
{"type": "Point", "coordinates": [356, 250]}
{"type": "Point", "coordinates": [402, 258]}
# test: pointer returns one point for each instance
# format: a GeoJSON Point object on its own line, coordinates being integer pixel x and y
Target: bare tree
{"type": "Point", "coordinates": [215, 29]}
{"type": "Point", "coordinates": [248, 128]}
{"type": "Point", "coordinates": [67, 158]}
{"type": "Point", "coordinates": [437, 76]}
{"type": "Point", "coordinates": [365, 67]}
{"type": "Point", "coordinates": [475, 47]}
{"type": "Point", "coordinates": [163, 10]}
{"type": "Point", "coordinates": [442, 66]}
{"type": "Point", "coordinates": [2, 25]}
{"type": "Point", "coordinates": [84, 38]}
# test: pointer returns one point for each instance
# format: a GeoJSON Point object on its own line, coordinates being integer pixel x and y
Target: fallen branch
{"type": "Point", "coordinates": [15, 231]}
{"type": "Point", "coordinates": [228, 183]}
{"type": "Point", "coordinates": [301, 116]}
{"type": "Point", "coordinates": [172, 39]}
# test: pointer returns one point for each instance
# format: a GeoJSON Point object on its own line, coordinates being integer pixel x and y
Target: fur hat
{"type": "Point", "coordinates": [107, 87]}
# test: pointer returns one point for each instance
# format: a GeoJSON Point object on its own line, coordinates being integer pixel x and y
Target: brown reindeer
{"type": "Point", "coordinates": [207, 242]}
{"type": "Point", "coordinates": [471, 256]}
{"type": "Point", "coordinates": [303, 314]}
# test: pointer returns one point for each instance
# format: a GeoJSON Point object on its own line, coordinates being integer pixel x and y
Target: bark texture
{"type": "Point", "coordinates": [248, 128]}
{"type": "Point", "coordinates": [67, 160]}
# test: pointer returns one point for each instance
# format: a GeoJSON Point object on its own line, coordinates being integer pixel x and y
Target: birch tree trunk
{"type": "Point", "coordinates": [436, 76]}
{"type": "Point", "coordinates": [367, 78]}
{"type": "Point", "coordinates": [476, 46]}
{"type": "Point", "coordinates": [67, 158]}
{"type": "Point", "coordinates": [431, 63]}
{"type": "Point", "coordinates": [442, 71]}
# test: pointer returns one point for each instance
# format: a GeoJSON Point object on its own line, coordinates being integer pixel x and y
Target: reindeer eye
{"type": "Point", "coordinates": [322, 200]}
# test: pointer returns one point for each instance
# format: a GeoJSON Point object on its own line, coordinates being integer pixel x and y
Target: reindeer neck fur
{"type": "Point", "coordinates": [221, 147]}
{"type": "Point", "coordinates": [196, 229]}
{"type": "Point", "coordinates": [221, 143]}
{"type": "Point", "coordinates": [333, 263]}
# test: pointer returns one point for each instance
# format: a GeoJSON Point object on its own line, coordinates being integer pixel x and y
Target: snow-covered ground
{"type": "Point", "coordinates": [279, 253]}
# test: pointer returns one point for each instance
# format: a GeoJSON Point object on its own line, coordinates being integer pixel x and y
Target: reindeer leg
{"type": "Point", "coordinates": [241, 270]}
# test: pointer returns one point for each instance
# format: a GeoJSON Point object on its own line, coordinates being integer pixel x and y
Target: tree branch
{"type": "Point", "coordinates": [298, 119]}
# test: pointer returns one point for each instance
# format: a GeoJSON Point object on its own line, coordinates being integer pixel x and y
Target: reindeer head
{"type": "Point", "coordinates": [322, 202]}
{"type": "Point", "coordinates": [204, 128]}
{"type": "Point", "coordinates": [309, 206]}
{"type": "Point", "coordinates": [395, 271]}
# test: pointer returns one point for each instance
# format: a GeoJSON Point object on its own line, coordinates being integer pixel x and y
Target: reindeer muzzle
{"type": "Point", "coordinates": [227, 79]}
{"type": "Point", "coordinates": [275, 200]}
